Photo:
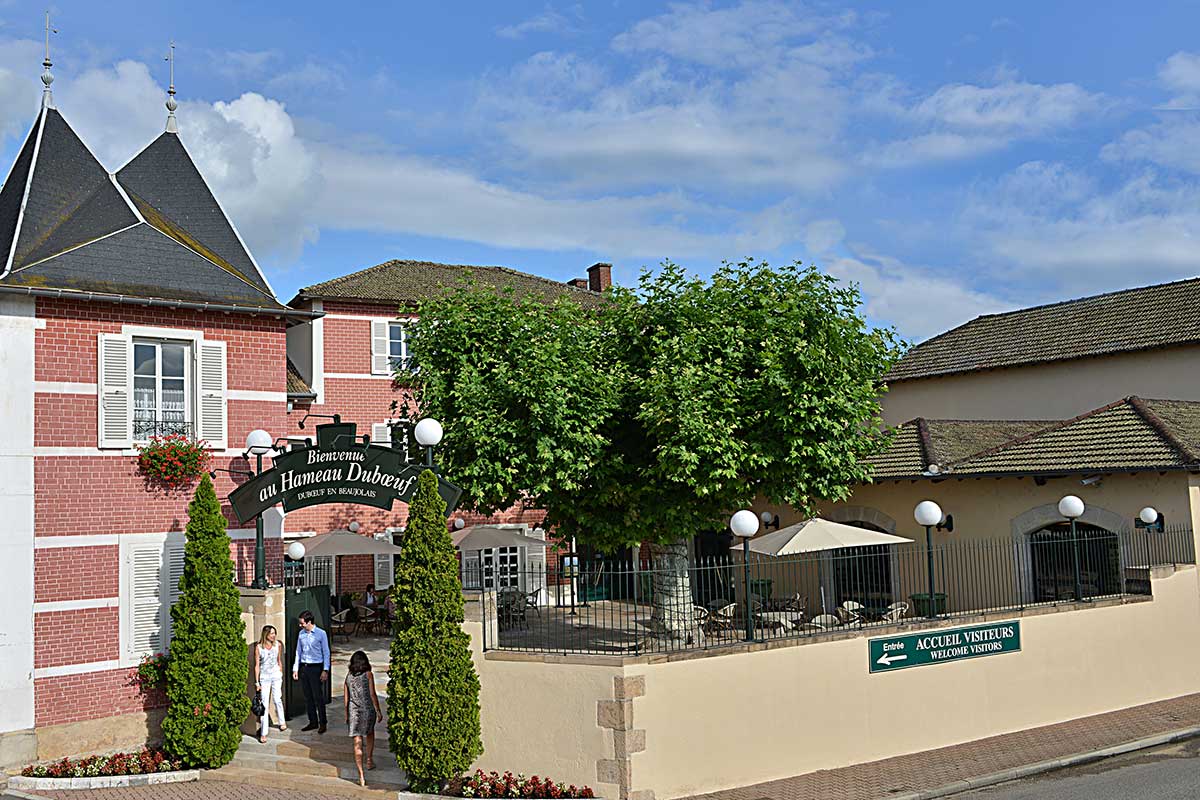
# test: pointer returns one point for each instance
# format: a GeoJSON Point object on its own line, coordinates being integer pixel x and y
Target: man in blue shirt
{"type": "Point", "coordinates": [311, 668]}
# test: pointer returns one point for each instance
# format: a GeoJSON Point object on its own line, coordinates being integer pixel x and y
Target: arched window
{"type": "Point", "coordinates": [1053, 553]}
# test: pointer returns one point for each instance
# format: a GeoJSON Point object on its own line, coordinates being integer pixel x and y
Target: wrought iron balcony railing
{"type": "Point", "coordinates": [149, 424]}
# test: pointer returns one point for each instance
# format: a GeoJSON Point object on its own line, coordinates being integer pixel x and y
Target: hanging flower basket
{"type": "Point", "coordinates": [152, 671]}
{"type": "Point", "coordinates": [174, 460]}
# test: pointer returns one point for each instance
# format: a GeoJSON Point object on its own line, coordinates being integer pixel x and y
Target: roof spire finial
{"type": "Point", "coordinates": [47, 78]}
{"type": "Point", "coordinates": [172, 127]}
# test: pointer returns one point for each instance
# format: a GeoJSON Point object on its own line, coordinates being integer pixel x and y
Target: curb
{"type": "Point", "coordinates": [104, 782]}
{"type": "Point", "coordinates": [1028, 770]}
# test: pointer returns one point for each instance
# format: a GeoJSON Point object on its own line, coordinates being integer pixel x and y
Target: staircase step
{"type": "Point", "coordinates": [376, 789]}
{"type": "Point", "coordinates": [385, 769]}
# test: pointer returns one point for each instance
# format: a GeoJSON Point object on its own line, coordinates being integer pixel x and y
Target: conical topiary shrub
{"type": "Point", "coordinates": [433, 691]}
{"type": "Point", "coordinates": [206, 674]}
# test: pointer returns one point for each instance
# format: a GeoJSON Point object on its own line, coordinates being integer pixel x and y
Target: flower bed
{"type": "Point", "coordinates": [493, 784]}
{"type": "Point", "coordinates": [143, 763]}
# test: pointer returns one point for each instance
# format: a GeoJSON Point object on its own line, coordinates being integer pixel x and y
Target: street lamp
{"type": "Point", "coordinates": [459, 523]}
{"type": "Point", "coordinates": [1072, 507]}
{"type": "Point", "coordinates": [428, 433]}
{"type": "Point", "coordinates": [929, 514]}
{"type": "Point", "coordinates": [744, 525]}
{"type": "Point", "coordinates": [259, 443]}
{"type": "Point", "coordinates": [296, 551]}
{"type": "Point", "coordinates": [1148, 515]}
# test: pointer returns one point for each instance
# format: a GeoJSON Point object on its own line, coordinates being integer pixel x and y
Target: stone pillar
{"type": "Point", "coordinates": [260, 607]}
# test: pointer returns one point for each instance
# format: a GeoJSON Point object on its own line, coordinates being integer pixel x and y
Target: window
{"type": "Point", "coordinates": [161, 389]}
{"type": "Point", "coordinates": [149, 587]}
{"type": "Point", "coordinates": [398, 346]}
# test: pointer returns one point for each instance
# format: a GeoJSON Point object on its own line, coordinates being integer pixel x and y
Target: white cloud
{"type": "Point", "coordinates": [1181, 74]}
{"type": "Point", "coordinates": [1171, 143]}
{"type": "Point", "coordinates": [548, 21]}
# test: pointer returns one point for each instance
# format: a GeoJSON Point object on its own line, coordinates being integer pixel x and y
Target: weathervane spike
{"type": "Point", "coordinates": [47, 77]}
{"type": "Point", "coordinates": [172, 127]}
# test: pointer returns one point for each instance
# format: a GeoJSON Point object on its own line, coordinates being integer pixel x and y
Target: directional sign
{"type": "Point", "coordinates": [890, 653]}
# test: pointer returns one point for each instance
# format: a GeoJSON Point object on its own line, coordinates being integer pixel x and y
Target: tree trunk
{"type": "Point", "coordinates": [671, 616]}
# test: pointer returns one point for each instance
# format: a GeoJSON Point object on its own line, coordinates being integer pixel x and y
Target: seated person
{"type": "Point", "coordinates": [369, 597]}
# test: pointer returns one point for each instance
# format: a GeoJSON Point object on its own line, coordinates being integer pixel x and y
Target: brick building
{"type": "Point", "coordinates": [342, 362]}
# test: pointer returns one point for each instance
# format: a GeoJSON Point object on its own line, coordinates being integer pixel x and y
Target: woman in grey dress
{"type": "Point", "coordinates": [362, 711]}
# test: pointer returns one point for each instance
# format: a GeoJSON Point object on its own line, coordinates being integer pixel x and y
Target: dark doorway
{"type": "Point", "coordinates": [1052, 557]}
{"type": "Point", "coordinates": [316, 600]}
{"type": "Point", "coordinates": [864, 575]}
{"type": "Point", "coordinates": [712, 583]}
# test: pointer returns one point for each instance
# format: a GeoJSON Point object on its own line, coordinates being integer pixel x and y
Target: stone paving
{"type": "Point", "coordinates": [947, 765]}
{"type": "Point", "coordinates": [201, 790]}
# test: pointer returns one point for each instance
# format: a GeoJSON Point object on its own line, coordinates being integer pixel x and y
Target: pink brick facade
{"type": "Point", "coordinates": [89, 502]}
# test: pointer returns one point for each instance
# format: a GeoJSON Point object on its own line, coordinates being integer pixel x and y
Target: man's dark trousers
{"type": "Point", "coordinates": [314, 692]}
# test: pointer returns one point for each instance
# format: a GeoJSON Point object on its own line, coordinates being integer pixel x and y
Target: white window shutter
{"type": "Point", "coordinates": [144, 606]}
{"type": "Point", "coordinates": [383, 565]}
{"type": "Point", "coordinates": [173, 558]}
{"type": "Point", "coordinates": [211, 417]}
{"type": "Point", "coordinates": [116, 391]}
{"type": "Point", "coordinates": [381, 433]}
{"type": "Point", "coordinates": [380, 355]}
{"type": "Point", "coordinates": [535, 566]}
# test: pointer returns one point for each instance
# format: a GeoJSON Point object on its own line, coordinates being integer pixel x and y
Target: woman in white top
{"type": "Point", "coordinates": [268, 677]}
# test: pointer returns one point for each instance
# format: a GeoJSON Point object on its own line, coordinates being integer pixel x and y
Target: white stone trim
{"type": "Point", "coordinates": [318, 354]}
{"type": "Point", "coordinates": [255, 395]}
{"type": "Point", "coordinates": [76, 669]}
{"type": "Point", "coordinates": [372, 317]}
{"type": "Point", "coordinates": [80, 540]}
{"type": "Point", "coordinates": [366, 376]}
{"type": "Point", "coordinates": [76, 605]}
{"type": "Point", "coordinates": [104, 782]}
{"type": "Point", "coordinates": [60, 387]}
{"type": "Point", "coordinates": [77, 452]}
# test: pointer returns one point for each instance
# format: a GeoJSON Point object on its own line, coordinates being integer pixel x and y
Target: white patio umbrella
{"type": "Point", "coordinates": [345, 543]}
{"type": "Point", "coordinates": [488, 537]}
{"type": "Point", "coordinates": [817, 535]}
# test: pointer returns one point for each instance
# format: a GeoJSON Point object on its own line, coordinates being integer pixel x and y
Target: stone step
{"type": "Point", "coordinates": [385, 771]}
{"type": "Point", "coordinates": [376, 789]}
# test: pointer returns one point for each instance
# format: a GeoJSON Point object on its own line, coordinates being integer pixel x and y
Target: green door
{"type": "Point", "coordinates": [316, 600]}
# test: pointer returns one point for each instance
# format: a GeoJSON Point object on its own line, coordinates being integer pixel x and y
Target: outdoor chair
{"type": "Point", "coordinates": [531, 601]}
{"type": "Point", "coordinates": [850, 613]}
{"type": "Point", "coordinates": [511, 607]}
{"type": "Point", "coordinates": [796, 602]}
{"type": "Point", "coordinates": [344, 623]}
{"type": "Point", "coordinates": [723, 619]}
{"type": "Point", "coordinates": [825, 621]}
{"type": "Point", "coordinates": [895, 612]}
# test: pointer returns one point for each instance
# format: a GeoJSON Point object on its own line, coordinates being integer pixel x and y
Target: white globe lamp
{"type": "Point", "coordinates": [744, 524]}
{"type": "Point", "coordinates": [1148, 515]}
{"type": "Point", "coordinates": [766, 517]}
{"type": "Point", "coordinates": [927, 513]}
{"type": "Point", "coordinates": [354, 526]}
{"type": "Point", "coordinates": [428, 432]}
{"type": "Point", "coordinates": [295, 551]}
{"type": "Point", "coordinates": [459, 523]}
{"type": "Point", "coordinates": [1071, 507]}
{"type": "Point", "coordinates": [259, 442]}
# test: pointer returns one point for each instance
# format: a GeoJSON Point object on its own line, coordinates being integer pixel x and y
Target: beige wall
{"type": "Point", "coordinates": [704, 722]}
{"type": "Point", "coordinates": [1048, 391]}
{"type": "Point", "coordinates": [721, 722]}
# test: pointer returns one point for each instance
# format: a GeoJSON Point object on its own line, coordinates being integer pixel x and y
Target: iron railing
{"type": "Point", "coordinates": [147, 424]}
{"type": "Point", "coordinates": [604, 608]}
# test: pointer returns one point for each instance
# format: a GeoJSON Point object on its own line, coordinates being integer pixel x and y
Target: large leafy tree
{"type": "Point", "coordinates": [651, 416]}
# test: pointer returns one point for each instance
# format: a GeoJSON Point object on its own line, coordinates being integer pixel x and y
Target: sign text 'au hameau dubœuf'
{"type": "Point", "coordinates": [890, 653]}
{"type": "Point", "coordinates": [338, 469]}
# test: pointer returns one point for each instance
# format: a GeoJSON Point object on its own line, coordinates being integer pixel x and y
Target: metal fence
{"type": "Point", "coordinates": [637, 609]}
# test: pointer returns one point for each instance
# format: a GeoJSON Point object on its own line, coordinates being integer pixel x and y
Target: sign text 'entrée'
{"type": "Point", "coordinates": [890, 653]}
{"type": "Point", "coordinates": [336, 470]}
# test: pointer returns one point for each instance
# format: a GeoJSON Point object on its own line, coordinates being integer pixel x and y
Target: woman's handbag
{"type": "Point", "coordinates": [257, 708]}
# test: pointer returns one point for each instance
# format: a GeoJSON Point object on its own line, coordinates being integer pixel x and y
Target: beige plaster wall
{"type": "Point", "coordinates": [541, 719]}
{"type": "Point", "coordinates": [720, 722]}
{"type": "Point", "coordinates": [1048, 391]}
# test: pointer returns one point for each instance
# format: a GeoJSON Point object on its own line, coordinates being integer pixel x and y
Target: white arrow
{"type": "Point", "coordinates": [888, 659]}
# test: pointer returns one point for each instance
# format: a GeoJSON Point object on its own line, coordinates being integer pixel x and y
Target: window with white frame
{"type": "Point", "coordinates": [154, 382]}
{"type": "Point", "coordinates": [150, 573]}
{"type": "Point", "coordinates": [398, 346]}
{"type": "Point", "coordinates": [161, 389]}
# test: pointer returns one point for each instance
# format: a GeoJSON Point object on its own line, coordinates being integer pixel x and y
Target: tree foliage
{"type": "Point", "coordinates": [206, 673]}
{"type": "Point", "coordinates": [651, 416]}
{"type": "Point", "coordinates": [433, 691]}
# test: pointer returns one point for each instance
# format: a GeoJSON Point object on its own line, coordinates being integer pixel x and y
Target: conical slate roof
{"type": "Point", "coordinates": [155, 230]}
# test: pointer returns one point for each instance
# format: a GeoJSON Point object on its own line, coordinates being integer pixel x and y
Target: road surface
{"type": "Point", "coordinates": [1170, 772]}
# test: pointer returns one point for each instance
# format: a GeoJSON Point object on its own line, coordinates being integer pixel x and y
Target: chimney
{"type": "Point", "coordinates": [578, 283]}
{"type": "Point", "coordinates": [599, 277]}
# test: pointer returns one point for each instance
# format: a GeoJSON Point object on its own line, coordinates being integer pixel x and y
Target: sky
{"type": "Point", "coordinates": [952, 159]}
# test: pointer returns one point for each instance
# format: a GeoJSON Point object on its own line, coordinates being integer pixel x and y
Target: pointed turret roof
{"type": "Point", "coordinates": [154, 230]}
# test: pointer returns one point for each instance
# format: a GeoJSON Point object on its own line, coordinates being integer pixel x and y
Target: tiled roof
{"type": "Point", "coordinates": [296, 387]}
{"type": "Point", "coordinates": [154, 231]}
{"type": "Point", "coordinates": [410, 282]}
{"type": "Point", "coordinates": [1133, 319]}
{"type": "Point", "coordinates": [1129, 435]}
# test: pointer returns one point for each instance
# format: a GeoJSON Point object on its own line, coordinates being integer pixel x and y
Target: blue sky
{"type": "Point", "coordinates": [952, 158]}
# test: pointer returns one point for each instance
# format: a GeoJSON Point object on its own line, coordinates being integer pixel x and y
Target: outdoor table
{"type": "Point", "coordinates": [784, 619]}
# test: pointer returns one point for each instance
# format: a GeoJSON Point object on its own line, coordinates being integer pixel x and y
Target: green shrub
{"type": "Point", "coordinates": [206, 673]}
{"type": "Point", "coordinates": [433, 691]}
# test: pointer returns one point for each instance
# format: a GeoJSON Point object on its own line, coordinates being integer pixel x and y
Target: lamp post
{"type": "Point", "coordinates": [1072, 507]}
{"type": "Point", "coordinates": [928, 514]}
{"type": "Point", "coordinates": [259, 443]}
{"type": "Point", "coordinates": [744, 525]}
{"type": "Point", "coordinates": [428, 433]}
{"type": "Point", "coordinates": [296, 551]}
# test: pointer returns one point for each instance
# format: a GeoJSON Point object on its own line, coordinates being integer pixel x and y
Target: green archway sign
{"type": "Point", "coordinates": [337, 469]}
